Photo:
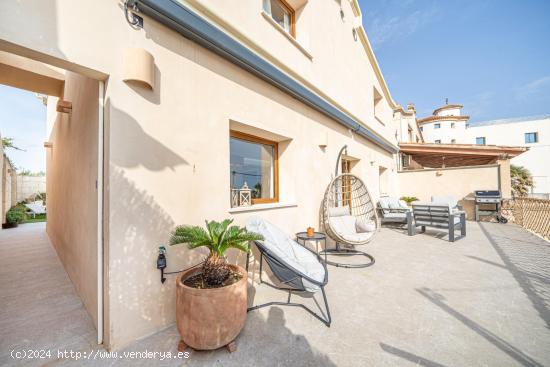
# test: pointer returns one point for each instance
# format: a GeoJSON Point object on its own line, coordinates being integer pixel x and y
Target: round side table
{"type": "Point", "coordinates": [317, 237]}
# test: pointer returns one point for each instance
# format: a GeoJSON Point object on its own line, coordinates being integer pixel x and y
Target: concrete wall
{"type": "Point", "coordinates": [28, 186]}
{"type": "Point", "coordinates": [71, 193]}
{"type": "Point", "coordinates": [167, 148]}
{"type": "Point", "coordinates": [458, 182]}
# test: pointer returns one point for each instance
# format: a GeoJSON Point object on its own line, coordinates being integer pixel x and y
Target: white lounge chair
{"type": "Point", "coordinates": [36, 208]}
{"type": "Point", "coordinates": [295, 266]}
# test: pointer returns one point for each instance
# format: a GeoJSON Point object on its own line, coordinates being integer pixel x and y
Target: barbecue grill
{"type": "Point", "coordinates": [486, 198]}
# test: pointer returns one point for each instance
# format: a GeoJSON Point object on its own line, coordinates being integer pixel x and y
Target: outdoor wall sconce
{"type": "Point", "coordinates": [354, 34]}
{"type": "Point", "coordinates": [438, 173]}
{"type": "Point", "coordinates": [64, 106]}
{"type": "Point", "coordinates": [139, 68]}
{"type": "Point", "coordinates": [323, 140]}
{"type": "Point", "coordinates": [48, 144]}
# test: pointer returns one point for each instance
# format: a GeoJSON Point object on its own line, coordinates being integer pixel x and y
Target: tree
{"type": "Point", "coordinates": [8, 143]}
{"type": "Point", "coordinates": [521, 180]}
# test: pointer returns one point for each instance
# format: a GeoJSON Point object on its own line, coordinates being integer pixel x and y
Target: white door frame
{"type": "Point", "coordinates": [99, 184]}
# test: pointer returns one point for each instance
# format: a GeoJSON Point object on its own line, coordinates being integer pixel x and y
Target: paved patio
{"type": "Point", "coordinates": [481, 301]}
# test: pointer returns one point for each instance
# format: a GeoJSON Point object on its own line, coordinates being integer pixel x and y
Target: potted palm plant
{"type": "Point", "coordinates": [211, 301]}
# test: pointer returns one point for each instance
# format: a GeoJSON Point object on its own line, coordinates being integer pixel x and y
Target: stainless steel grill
{"type": "Point", "coordinates": [486, 198]}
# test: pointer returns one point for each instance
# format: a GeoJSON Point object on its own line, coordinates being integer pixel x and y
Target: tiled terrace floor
{"type": "Point", "coordinates": [481, 301]}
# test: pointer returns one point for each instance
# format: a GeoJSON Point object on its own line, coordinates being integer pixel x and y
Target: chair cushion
{"type": "Point", "coordinates": [288, 251]}
{"type": "Point", "coordinates": [338, 211]}
{"type": "Point", "coordinates": [358, 237]}
{"type": "Point", "coordinates": [343, 225]}
{"type": "Point", "coordinates": [445, 200]}
{"type": "Point", "coordinates": [364, 226]}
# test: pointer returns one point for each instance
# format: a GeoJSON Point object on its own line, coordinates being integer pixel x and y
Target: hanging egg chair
{"type": "Point", "coordinates": [349, 218]}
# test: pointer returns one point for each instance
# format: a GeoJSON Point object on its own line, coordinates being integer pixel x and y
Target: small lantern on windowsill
{"type": "Point", "coordinates": [245, 195]}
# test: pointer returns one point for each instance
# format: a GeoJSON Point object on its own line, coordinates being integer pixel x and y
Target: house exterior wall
{"type": "Point", "coordinates": [512, 133]}
{"type": "Point", "coordinates": [458, 182]}
{"type": "Point", "coordinates": [71, 164]}
{"type": "Point", "coordinates": [167, 149]}
{"type": "Point", "coordinates": [28, 186]}
{"type": "Point", "coordinates": [8, 186]}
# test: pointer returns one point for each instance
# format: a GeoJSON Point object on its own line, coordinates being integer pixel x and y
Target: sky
{"type": "Point", "coordinates": [492, 56]}
{"type": "Point", "coordinates": [23, 118]}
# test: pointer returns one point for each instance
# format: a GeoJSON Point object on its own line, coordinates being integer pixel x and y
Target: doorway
{"type": "Point", "coordinates": [74, 156]}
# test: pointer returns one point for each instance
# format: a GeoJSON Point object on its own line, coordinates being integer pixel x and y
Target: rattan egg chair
{"type": "Point", "coordinates": [349, 218]}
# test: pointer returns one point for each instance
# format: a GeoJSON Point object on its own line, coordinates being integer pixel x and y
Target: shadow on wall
{"type": "Point", "coordinates": [141, 149]}
{"type": "Point", "coordinates": [138, 225]}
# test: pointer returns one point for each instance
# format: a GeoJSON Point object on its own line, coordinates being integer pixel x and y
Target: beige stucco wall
{"type": "Point", "coordinates": [71, 164]}
{"type": "Point", "coordinates": [167, 148]}
{"type": "Point", "coordinates": [28, 186]}
{"type": "Point", "coordinates": [458, 182]}
{"type": "Point", "coordinates": [8, 186]}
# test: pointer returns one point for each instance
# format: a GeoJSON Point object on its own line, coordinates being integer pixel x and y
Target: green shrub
{"type": "Point", "coordinates": [16, 215]}
{"type": "Point", "coordinates": [409, 199]}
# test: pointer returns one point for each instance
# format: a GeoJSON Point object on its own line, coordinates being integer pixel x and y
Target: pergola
{"type": "Point", "coordinates": [456, 155]}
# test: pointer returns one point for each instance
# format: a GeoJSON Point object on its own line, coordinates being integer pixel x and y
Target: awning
{"type": "Point", "coordinates": [457, 155]}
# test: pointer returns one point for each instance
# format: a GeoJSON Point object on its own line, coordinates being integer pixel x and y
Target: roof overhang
{"type": "Point", "coordinates": [457, 155]}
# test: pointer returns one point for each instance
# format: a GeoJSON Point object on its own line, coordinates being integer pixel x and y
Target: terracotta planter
{"type": "Point", "coordinates": [210, 318]}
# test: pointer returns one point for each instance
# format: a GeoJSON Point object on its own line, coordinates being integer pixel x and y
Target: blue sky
{"type": "Point", "coordinates": [491, 56]}
{"type": "Point", "coordinates": [23, 118]}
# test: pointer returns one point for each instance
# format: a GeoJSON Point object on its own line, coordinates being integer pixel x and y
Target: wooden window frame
{"type": "Point", "coordinates": [291, 14]}
{"type": "Point", "coordinates": [254, 139]}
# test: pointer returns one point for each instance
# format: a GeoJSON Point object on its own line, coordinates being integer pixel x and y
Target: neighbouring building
{"type": "Point", "coordinates": [448, 126]}
{"type": "Point", "coordinates": [172, 112]}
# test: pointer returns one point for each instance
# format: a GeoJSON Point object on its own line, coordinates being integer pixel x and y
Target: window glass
{"type": "Point", "coordinates": [437, 126]}
{"type": "Point", "coordinates": [252, 165]}
{"type": "Point", "coordinates": [480, 140]}
{"type": "Point", "coordinates": [279, 13]}
{"type": "Point", "coordinates": [438, 141]}
{"type": "Point", "coordinates": [531, 138]}
{"type": "Point", "coordinates": [453, 141]}
{"type": "Point", "coordinates": [452, 125]}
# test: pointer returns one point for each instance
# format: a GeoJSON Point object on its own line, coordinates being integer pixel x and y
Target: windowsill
{"type": "Point", "coordinates": [288, 36]}
{"type": "Point", "coordinates": [257, 207]}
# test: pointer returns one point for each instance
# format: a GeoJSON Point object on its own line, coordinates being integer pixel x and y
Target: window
{"type": "Point", "coordinates": [467, 125]}
{"type": "Point", "coordinates": [453, 141]}
{"type": "Point", "coordinates": [437, 126]}
{"type": "Point", "coordinates": [421, 128]}
{"type": "Point", "coordinates": [253, 164]}
{"type": "Point", "coordinates": [452, 125]}
{"type": "Point", "coordinates": [377, 99]}
{"type": "Point", "coordinates": [480, 140]}
{"type": "Point", "coordinates": [531, 138]}
{"type": "Point", "coordinates": [282, 14]}
{"type": "Point", "coordinates": [438, 141]}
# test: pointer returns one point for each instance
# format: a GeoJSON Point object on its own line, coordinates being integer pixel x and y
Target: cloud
{"type": "Point", "coordinates": [382, 29]}
{"type": "Point", "coordinates": [533, 88]}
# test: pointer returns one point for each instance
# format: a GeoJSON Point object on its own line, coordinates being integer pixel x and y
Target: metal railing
{"type": "Point", "coordinates": [531, 214]}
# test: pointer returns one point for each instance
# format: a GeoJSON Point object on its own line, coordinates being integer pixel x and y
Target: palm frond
{"type": "Point", "coordinates": [193, 236]}
{"type": "Point", "coordinates": [238, 238]}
